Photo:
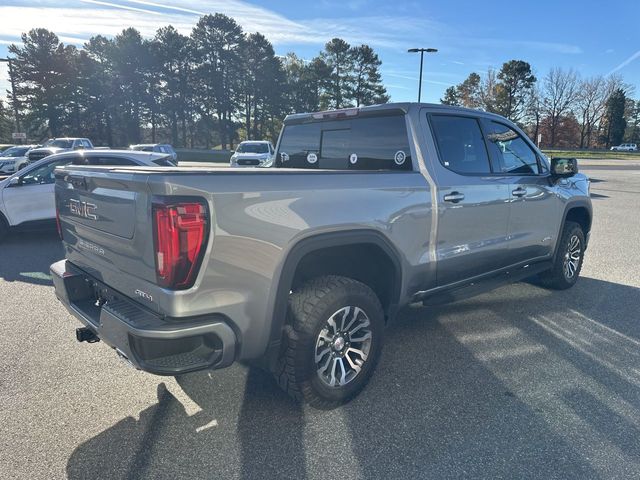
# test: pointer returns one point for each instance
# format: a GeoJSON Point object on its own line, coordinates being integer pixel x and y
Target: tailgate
{"type": "Point", "coordinates": [105, 217]}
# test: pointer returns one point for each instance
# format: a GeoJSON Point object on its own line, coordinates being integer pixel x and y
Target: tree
{"type": "Point", "coordinates": [616, 123]}
{"type": "Point", "coordinates": [633, 121]}
{"type": "Point", "coordinates": [217, 41]}
{"type": "Point", "coordinates": [590, 105]}
{"type": "Point", "coordinates": [42, 69]}
{"type": "Point", "coordinates": [567, 131]}
{"type": "Point", "coordinates": [469, 91]}
{"type": "Point", "coordinates": [262, 85]}
{"type": "Point", "coordinates": [512, 91]}
{"type": "Point", "coordinates": [338, 56]}
{"type": "Point", "coordinates": [5, 124]}
{"type": "Point", "coordinates": [367, 88]}
{"type": "Point", "coordinates": [102, 106]}
{"type": "Point", "coordinates": [129, 59]}
{"type": "Point", "coordinates": [172, 58]}
{"type": "Point", "coordinates": [560, 90]}
{"type": "Point", "coordinates": [450, 97]}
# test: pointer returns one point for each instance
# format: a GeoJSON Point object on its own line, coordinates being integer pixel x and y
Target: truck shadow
{"type": "Point", "coordinates": [517, 383]}
{"type": "Point", "coordinates": [26, 256]}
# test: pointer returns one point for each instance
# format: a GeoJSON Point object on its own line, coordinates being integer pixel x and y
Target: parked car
{"type": "Point", "coordinates": [253, 153]}
{"type": "Point", "coordinates": [26, 197]}
{"type": "Point", "coordinates": [158, 148]}
{"type": "Point", "coordinates": [14, 158]}
{"type": "Point", "coordinates": [301, 271]}
{"type": "Point", "coordinates": [625, 147]}
{"type": "Point", "coordinates": [59, 145]}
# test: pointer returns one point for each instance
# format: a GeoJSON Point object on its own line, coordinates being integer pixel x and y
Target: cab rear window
{"type": "Point", "coordinates": [368, 143]}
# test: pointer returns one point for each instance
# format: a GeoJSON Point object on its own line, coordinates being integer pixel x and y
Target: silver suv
{"type": "Point", "coordinates": [625, 147]}
{"type": "Point", "coordinates": [253, 153]}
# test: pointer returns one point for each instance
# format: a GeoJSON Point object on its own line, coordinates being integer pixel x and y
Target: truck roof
{"type": "Point", "coordinates": [397, 107]}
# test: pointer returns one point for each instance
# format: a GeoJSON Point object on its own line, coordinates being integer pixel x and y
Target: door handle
{"type": "Point", "coordinates": [519, 192]}
{"type": "Point", "coordinates": [454, 197]}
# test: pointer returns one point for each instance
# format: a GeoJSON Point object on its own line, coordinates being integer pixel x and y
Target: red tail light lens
{"type": "Point", "coordinates": [180, 235]}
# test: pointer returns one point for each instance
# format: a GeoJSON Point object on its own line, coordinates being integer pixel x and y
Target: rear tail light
{"type": "Point", "coordinates": [180, 236]}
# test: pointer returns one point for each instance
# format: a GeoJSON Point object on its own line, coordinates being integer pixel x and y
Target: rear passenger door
{"type": "Point", "coordinates": [535, 209]}
{"type": "Point", "coordinates": [473, 202]}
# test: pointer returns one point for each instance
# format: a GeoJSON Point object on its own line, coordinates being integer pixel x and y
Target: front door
{"type": "Point", "coordinates": [32, 199]}
{"type": "Point", "coordinates": [535, 209]}
{"type": "Point", "coordinates": [473, 204]}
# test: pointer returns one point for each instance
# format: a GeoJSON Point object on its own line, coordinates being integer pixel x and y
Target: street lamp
{"type": "Point", "coordinates": [421, 50]}
{"type": "Point", "coordinates": [13, 93]}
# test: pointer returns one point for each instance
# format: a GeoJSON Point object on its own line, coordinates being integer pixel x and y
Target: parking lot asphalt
{"type": "Point", "coordinates": [517, 383]}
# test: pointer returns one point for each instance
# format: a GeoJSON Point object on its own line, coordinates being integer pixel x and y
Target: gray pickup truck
{"type": "Point", "coordinates": [300, 268]}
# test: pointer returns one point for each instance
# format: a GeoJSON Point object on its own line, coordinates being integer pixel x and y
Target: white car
{"type": "Point", "coordinates": [14, 158]}
{"type": "Point", "coordinates": [625, 147]}
{"type": "Point", "coordinates": [253, 153]}
{"type": "Point", "coordinates": [27, 197]}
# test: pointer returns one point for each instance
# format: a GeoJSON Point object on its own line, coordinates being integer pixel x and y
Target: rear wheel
{"type": "Point", "coordinates": [332, 341]}
{"type": "Point", "coordinates": [568, 262]}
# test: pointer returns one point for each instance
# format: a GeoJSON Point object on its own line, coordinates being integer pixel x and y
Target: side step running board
{"type": "Point", "coordinates": [478, 287]}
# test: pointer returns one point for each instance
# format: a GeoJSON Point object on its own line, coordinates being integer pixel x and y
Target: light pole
{"type": "Point", "coordinates": [421, 50]}
{"type": "Point", "coordinates": [13, 93]}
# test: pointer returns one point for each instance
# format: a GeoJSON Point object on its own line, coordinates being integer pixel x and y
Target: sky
{"type": "Point", "coordinates": [592, 37]}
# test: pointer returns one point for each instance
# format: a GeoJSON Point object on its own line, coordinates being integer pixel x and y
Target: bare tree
{"type": "Point", "coordinates": [590, 106]}
{"type": "Point", "coordinates": [533, 112]}
{"type": "Point", "coordinates": [487, 91]}
{"type": "Point", "coordinates": [560, 90]}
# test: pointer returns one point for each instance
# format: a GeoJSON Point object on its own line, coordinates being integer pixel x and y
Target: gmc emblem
{"type": "Point", "coordinates": [83, 209]}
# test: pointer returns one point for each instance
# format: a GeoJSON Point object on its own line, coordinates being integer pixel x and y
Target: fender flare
{"type": "Point", "coordinates": [578, 203]}
{"type": "Point", "coordinates": [317, 242]}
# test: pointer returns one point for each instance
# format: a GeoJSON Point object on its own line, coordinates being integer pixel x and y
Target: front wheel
{"type": "Point", "coordinates": [332, 341]}
{"type": "Point", "coordinates": [568, 262]}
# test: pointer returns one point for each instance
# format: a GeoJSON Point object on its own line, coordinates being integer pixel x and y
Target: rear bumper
{"type": "Point", "coordinates": [152, 343]}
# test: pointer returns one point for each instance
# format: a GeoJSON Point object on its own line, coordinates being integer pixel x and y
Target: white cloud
{"type": "Point", "coordinates": [633, 57]}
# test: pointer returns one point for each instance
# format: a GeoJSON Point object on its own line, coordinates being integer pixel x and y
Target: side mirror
{"type": "Point", "coordinates": [14, 182]}
{"type": "Point", "coordinates": [232, 151]}
{"type": "Point", "coordinates": [564, 167]}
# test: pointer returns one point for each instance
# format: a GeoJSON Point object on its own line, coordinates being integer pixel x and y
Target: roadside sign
{"type": "Point", "coordinates": [19, 136]}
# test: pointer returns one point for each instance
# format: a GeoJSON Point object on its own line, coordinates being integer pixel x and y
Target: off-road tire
{"type": "Point", "coordinates": [556, 278]}
{"type": "Point", "coordinates": [310, 307]}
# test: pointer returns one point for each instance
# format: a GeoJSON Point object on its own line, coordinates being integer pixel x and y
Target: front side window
{"type": "Point", "coordinates": [43, 174]}
{"type": "Point", "coordinates": [460, 144]}
{"type": "Point", "coordinates": [14, 152]}
{"type": "Point", "coordinates": [514, 154]}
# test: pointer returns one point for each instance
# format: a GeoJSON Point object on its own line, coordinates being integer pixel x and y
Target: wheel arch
{"type": "Point", "coordinates": [579, 211]}
{"type": "Point", "coordinates": [323, 246]}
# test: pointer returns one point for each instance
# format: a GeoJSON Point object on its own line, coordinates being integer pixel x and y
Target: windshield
{"type": "Point", "coordinates": [59, 143]}
{"type": "Point", "coordinates": [15, 152]}
{"type": "Point", "coordinates": [143, 148]}
{"type": "Point", "coordinates": [253, 148]}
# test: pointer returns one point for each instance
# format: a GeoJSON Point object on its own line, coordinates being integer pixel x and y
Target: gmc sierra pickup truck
{"type": "Point", "coordinates": [301, 267]}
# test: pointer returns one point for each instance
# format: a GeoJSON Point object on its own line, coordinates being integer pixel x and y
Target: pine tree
{"type": "Point", "coordinates": [368, 88]}
{"type": "Point", "coordinates": [338, 56]}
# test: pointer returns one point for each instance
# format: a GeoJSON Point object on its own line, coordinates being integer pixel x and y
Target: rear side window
{"type": "Point", "coordinates": [512, 151]}
{"type": "Point", "coordinates": [368, 143]}
{"type": "Point", "coordinates": [460, 144]}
